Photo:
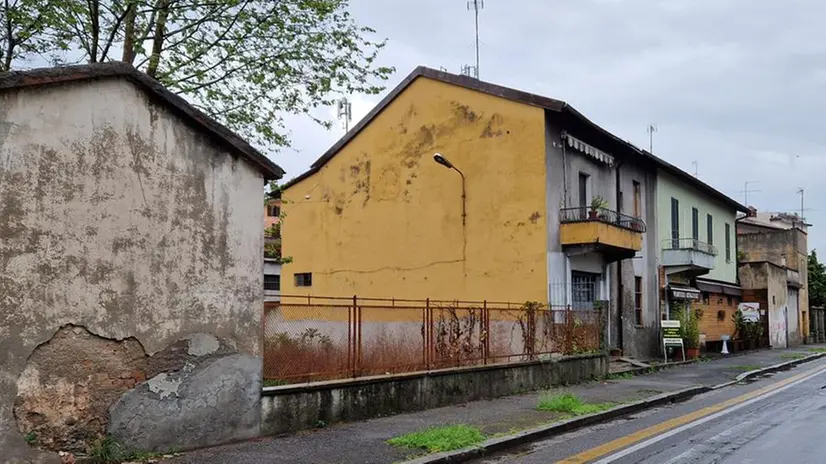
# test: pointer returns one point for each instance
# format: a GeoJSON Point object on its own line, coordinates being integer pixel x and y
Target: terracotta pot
{"type": "Point", "coordinates": [692, 353]}
{"type": "Point", "coordinates": [592, 214]}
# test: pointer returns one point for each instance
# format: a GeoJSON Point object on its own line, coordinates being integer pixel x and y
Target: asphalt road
{"type": "Point", "coordinates": [777, 419]}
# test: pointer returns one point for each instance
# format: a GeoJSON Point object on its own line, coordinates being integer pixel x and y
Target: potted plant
{"type": "Point", "coordinates": [597, 203]}
{"type": "Point", "coordinates": [690, 326]}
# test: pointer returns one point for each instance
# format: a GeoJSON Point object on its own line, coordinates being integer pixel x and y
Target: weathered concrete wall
{"type": "Point", "coordinates": [292, 408]}
{"type": "Point", "coordinates": [126, 224]}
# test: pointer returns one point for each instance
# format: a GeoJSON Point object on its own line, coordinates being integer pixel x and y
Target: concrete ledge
{"type": "Point", "coordinates": [498, 444]}
{"type": "Point", "coordinates": [291, 408]}
{"type": "Point", "coordinates": [777, 367]}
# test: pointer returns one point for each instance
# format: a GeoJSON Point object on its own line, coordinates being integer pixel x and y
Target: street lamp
{"type": "Point", "coordinates": [444, 162]}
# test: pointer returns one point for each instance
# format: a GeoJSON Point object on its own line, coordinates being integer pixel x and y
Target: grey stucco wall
{"type": "Point", "coordinates": [298, 407]}
{"type": "Point", "coordinates": [640, 341]}
{"type": "Point", "coordinates": [117, 217]}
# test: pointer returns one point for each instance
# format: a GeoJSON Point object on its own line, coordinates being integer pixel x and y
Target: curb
{"type": "Point", "coordinates": [502, 443]}
{"type": "Point", "coordinates": [545, 431]}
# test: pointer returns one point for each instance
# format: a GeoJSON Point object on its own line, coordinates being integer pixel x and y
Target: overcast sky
{"type": "Point", "coordinates": [736, 85]}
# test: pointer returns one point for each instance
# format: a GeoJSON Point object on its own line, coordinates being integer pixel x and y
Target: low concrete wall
{"type": "Point", "coordinates": [295, 407]}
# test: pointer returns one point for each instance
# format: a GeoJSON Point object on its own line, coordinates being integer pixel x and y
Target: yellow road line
{"type": "Point", "coordinates": [628, 440]}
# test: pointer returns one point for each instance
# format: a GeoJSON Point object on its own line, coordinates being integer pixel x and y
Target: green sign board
{"type": "Point", "coordinates": [671, 333]}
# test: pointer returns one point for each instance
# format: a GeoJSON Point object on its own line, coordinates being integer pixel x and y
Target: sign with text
{"type": "Point", "coordinates": [751, 311]}
{"type": "Point", "coordinates": [671, 333]}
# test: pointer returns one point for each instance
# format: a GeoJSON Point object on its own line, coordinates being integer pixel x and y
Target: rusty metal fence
{"type": "Point", "coordinates": [316, 338]}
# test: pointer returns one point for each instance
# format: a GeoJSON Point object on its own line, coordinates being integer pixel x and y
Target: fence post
{"type": "Point", "coordinates": [531, 331]}
{"type": "Point", "coordinates": [486, 328]}
{"type": "Point", "coordinates": [357, 365]}
{"type": "Point", "coordinates": [568, 331]}
{"type": "Point", "coordinates": [351, 331]}
{"type": "Point", "coordinates": [428, 340]}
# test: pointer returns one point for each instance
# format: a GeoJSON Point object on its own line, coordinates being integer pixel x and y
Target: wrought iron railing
{"type": "Point", "coordinates": [689, 244]}
{"type": "Point", "coordinates": [607, 216]}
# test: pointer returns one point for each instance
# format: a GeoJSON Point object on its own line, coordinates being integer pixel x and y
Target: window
{"type": "Point", "coordinates": [638, 300]}
{"type": "Point", "coordinates": [583, 290]}
{"type": "Point", "coordinates": [709, 230]}
{"type": "Point", "coordinates": [304, 279]}
{"type": "Point", "coordinates": [272, 282]}
{"type": "Point", "coordinates": [583, 189]}
{"type": "Point", "coordinates": [273, 210]}
{"type": "Point", "coordinates": [637, 200]}
{"type": "Point", "coordinates": [695, 225]}
{"type": "Point", "coordinates": [728, 300]}
{"type": "Point", "coordinates": [728, 242]}
{"type": "Point", "coordinates": [675, 223]}
{"type": "Point", "coordinates": [706, 298]}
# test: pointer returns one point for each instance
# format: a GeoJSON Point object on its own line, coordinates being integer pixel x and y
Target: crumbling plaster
{"type": "Point", "coordinates": [117, 216]}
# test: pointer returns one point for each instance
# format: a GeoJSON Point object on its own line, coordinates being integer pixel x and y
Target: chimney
{"type": "Point", "coordinates": [752, 212]}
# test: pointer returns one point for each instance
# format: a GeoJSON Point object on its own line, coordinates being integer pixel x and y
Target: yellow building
{"type": "Point", "coordinates": [377, 216]}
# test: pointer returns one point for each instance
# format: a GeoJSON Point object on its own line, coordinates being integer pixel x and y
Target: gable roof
{"type": "Point", "coordinates": [549, 104]}
{"type": "Point", "coordinates": [57, 75]}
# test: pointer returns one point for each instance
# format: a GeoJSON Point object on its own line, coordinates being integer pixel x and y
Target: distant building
{"type": "Point", "coordinates": [774, 266]}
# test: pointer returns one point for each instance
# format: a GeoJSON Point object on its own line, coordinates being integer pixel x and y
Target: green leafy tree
{"type": "Point", "coordinates": [25, 30]}
{"type": "Point", "coordinates": [247, 63]}
{"type": "Point", "coordinates": [817, 281]}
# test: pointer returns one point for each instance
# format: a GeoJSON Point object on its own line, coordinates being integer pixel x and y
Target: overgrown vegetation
{"type": "Point", "coordinates": [106, 450]}
{"type": "Point", "coordinates": [444, 438]}
{"type": "Point", "coordinates": [817, 350]}
{"type": "Point", "coordinates": [817, 281]}
{"type": "Point", "coordinates": [750, 331]}
{"type": "Point", "coordinates": [569, 403]}
{"type": "Point", "coordinates": [31, 438]}
{"type": "Point", "coordinates": [792, 356]}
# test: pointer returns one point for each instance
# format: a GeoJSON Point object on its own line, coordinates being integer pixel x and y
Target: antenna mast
{"type": "Point", "coordinates": [651, 129]}
{"type": "Point", "coordinates": [344, 111]}
{"type": "Point", "coordinates": [476, 5]}
{"type": "Point", "coordinates": [746, 190]}
{"type": "Point", "coordinates": [800, 192]}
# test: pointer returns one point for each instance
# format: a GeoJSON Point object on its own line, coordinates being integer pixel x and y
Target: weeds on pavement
{"type": "Point", "coordinates": [570, 404]}
{"type": "Point", "coordinates": [620, 376]}
{"type": "Point", "coordinates": [106, 450]}
{"type": "Point", "coordinates": [436, 439]}
{"type": "Point", "coordinates": [817, 350]}
{"type": "Point", "coordinates": [746, 367]}
{"type": "Point", "coordinates": [793, 356]}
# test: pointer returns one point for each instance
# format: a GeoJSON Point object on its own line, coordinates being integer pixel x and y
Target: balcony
{"type": "Point", "coordinates": [687, 255]}
{"type": "Point", "coordinates": [615, 235]}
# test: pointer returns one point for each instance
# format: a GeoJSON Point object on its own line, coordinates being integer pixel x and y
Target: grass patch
{"type": "Point", "coordinates": [108, 451]}
{"type": "Point", "coordinates": [436, 439]}
{"type": "Point", "coordinates": [620, 376]}
{"type": "Point", "coordinates": [817, 350]}
{"type": "Point", "coordinates": [570, 404]}
{"type": "Point", "coordinates": [274, 382]}
{"type": "Point", "coordinates": [793, 356]}
{"type": "Point", "coordinates": [746, 367]}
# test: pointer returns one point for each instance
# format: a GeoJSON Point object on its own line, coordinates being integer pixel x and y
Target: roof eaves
{"type": "Point", "coordinates": [64, 74]}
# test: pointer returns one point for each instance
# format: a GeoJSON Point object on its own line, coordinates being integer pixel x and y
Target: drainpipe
{"type": "Point", "coordinates": [619, 269]}
{"type": "Point", "coordinates": [564, 171]}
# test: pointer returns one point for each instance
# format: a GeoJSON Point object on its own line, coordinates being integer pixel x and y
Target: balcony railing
{"type": "Point", "coordinates": [604, 215]}
{"type": "Point", "coordinates": [689, 244]}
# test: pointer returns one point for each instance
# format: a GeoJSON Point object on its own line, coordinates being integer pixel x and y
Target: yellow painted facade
{"type": "Point", "coordinates": [382, 219]}
{"type": "Point", "coordinates": [594, 232]}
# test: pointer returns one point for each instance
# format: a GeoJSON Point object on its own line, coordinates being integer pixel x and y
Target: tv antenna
{"type": "Point", "coordinates": [344, 111]}
{"type": "Point", "coordinates": [651, 129]}
{"type": "Point", "coordinates": [746, 190]}
{"type": "Point", "coordinates": [476, 5]}
{"type": "Point", "coordinates": [470, 71]}
{"type": "Point", "coordinates": [802, 209]}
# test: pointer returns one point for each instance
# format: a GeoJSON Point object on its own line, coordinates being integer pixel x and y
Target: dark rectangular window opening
{"type": "Point", "coordinates": [583, 190]}
{"type": "Point", "coordinates": [695, 225]}
{"type": "Point", "coordinates": [637, 200]}
{"type": "Point", "coordinates": [710, 230]}
{"type": "Point", "coordinates": [273, 211]}
{"type": "Point", "coordinates": [304, 279]}
{"type": "Point", "coordinates": [272, 282]}
{"type": "Point", "coordinates": [728, 300]}
{"type": "Point", "coordinates": [675, 223]}
{"type": "Point", "coordinates": [638, 300]}
{"type": "Point", "coordinates": [728, 243]}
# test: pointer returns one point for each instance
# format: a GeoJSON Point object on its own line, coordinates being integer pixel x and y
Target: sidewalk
{"type": "Point", "coordinates": [365, 442]}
